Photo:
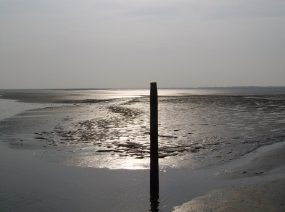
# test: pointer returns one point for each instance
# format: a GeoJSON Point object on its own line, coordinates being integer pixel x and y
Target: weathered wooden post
{"type": "Point", "coordinates": [154, 168]}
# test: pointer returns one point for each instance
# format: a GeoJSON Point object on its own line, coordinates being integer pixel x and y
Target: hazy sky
{"type": "Point", "coordinates": [128, 43]}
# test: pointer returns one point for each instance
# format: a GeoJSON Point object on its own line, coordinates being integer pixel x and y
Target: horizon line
{"type": "Point", "coordinates": [139, 88]}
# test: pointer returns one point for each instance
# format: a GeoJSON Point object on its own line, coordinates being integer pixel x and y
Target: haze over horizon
{"type": "Point", "coordinates": [127, 44]}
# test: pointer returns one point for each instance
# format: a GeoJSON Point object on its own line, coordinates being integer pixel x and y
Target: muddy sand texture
{"type": "Point", "coordinates": [265, 168]}
{"type": "Point", "coordinates": [268, 197]}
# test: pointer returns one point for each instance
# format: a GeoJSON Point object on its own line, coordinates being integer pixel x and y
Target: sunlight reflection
{"type": "Point", "coordinates": [132, 93]}
{"type": "Point", "coordinates": [109, 162]}
{"type": "Point", "coordinates": [130, 163]}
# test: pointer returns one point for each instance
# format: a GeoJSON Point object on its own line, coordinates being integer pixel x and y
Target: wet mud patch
{"type": "Point", "coordinates": [212, 129]}
{"type": "Point", "coordinates": [123, 133]}
{"type": "Point", "coordinates": [126, 112]}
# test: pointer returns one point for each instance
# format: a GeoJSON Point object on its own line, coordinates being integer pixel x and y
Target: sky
{"type": "Point", "coordinates": [129, 43]}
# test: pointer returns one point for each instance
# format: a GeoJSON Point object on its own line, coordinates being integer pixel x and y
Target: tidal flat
{"type": "Point", "coordinates": [86, 150]}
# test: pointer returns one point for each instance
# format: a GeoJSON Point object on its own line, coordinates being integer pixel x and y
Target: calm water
{"type": "Point", "coordinates": [110, 128]}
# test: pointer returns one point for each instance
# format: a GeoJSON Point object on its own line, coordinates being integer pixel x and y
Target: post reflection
{"type": "Point", "coordinates": [154, 203]}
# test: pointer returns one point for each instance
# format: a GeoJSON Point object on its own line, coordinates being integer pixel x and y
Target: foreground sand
{"type": "Point", "coordinates": [264, 197]}
{"type": "Point", "coordinates": [263, 187]}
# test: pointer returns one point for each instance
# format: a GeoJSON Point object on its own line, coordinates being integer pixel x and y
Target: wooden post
{"type": "Point", "coordinates": [154, 169]}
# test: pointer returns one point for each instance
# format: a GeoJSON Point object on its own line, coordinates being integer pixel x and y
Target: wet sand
{"type": "Point", "coordinates": [263, 197]}
{"type": "Point", "coordinates": [260, 187]}
{"type": "Point", "coordinates": [94, 133]}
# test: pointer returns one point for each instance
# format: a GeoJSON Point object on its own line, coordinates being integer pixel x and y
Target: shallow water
{"type": "Point", "coordinates": [9, 108]}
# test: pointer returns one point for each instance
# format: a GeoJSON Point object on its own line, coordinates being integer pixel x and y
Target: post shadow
{"type": "Point", "coordinates": [154, 166]}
